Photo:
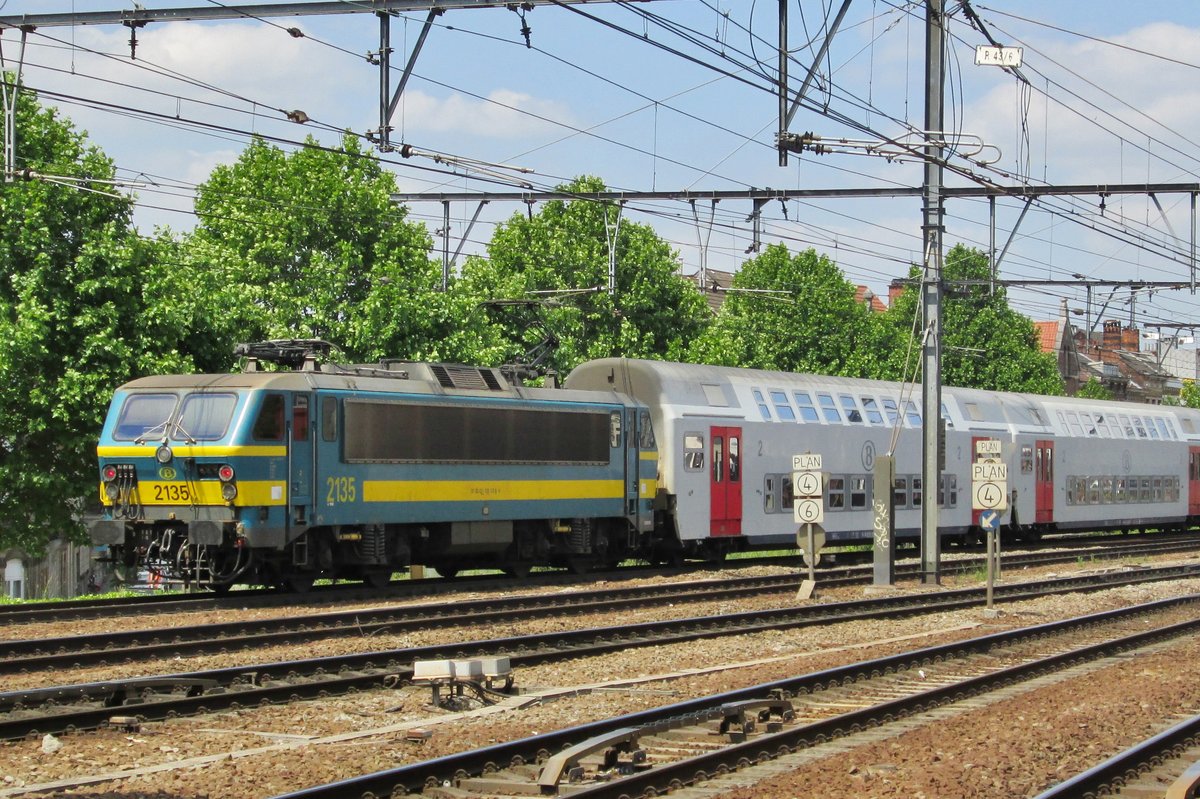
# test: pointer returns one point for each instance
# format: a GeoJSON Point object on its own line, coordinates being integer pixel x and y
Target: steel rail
{"type": "Point", "coordinates": [414, 777]}
{"type": "Point", "coordinates": [1101, 779]}
{"type": "Point", "coordinates": [158, 604]}
{"type": "Point", "coordinates": [243, 685]}
{"type": "Point", "coordinates": [25, 655]}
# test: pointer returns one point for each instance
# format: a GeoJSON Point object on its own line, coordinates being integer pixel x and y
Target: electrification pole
{"type": "Point", "coordinates": [931, 292]}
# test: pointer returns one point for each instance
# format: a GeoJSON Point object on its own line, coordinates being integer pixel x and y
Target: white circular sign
{"type": "Point", "coordinates": [988, 495]}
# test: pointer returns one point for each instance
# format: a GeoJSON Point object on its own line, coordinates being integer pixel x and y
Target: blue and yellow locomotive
{"type": "Point", "coordinates": [330, 470]}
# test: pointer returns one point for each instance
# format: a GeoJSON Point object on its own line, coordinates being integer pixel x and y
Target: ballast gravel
{"type": "Point", "coordinates": [1014, 748]}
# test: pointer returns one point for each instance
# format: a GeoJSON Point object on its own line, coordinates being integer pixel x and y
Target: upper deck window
{"type": "Point", "coordinates": [804, 404]}
{"type": "Point", "coordinates": [762, 404]}
{"type": "Point", "coordinates": [832, 414]}
{"type": "Point", "coordinates": [852, 413]}
{"type": "Point", "coordinates": [144, 415]}
{"type": "Point", "coordinates": [782, 406]}
{"type": "Point", "coordinates": [872, 409]}
{"type": "Point", "coordinates": [205, 417]}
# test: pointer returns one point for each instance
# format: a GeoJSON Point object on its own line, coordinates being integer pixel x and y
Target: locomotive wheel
{"type": "Point", "coordinates": [449, 572]}
{"type": "Point", "coordinates": [517, 570]}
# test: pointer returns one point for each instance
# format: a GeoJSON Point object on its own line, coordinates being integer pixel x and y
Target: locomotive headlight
{"type": "Point", "coordinates": [228, 492]}
{"type": "Point", "coordinates": [112, 491]}
{"type": "Point", "coordinates": [109, 473]}
{"type": "Point", "coordinates": [163, 454]}
{"type": "Point", "coordinates": [225, 472]}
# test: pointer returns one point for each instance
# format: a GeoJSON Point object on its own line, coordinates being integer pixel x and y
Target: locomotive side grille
{"type": "Point", "coordinates": [465, 377]}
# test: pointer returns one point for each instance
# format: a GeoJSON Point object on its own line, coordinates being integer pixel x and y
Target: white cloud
{"type": "Point", "coordinates": [505, 113]}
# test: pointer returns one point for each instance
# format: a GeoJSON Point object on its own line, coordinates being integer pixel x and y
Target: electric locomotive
{"type": "Point", "coordinates": [339, 471]}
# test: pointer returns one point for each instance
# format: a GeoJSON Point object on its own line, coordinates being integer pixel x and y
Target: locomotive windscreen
{"type": "Point", "coordinates": [393, 431]}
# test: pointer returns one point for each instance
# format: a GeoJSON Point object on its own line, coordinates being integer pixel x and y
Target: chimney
{"type": "Point", "coordinates": [1130, 339]}
{"type": "Point", "coordinates": [895, 289]}
{"type": "Point", "coordinates": [1112, 336]}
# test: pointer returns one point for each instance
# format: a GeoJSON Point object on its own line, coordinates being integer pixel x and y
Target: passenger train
{"type": "Point", "coordinates": [358, 471]}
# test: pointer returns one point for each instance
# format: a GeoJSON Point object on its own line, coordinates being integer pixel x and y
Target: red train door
{"type": "Point", "coordinates": [1044, 482]}
{"type": "Point", "coordinates": [725, 517]}
{"type": "Point", "coordinates": [1193, 481]}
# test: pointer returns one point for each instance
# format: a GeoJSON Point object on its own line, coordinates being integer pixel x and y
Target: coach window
{"type": "Point", "coordinates": [835, 498]}
{"type": "Point", "coordinates": [646, 433]}
{"type": "Point", "coordinates": [269, 424]}
{"type": "Point", "coordinates": [804, 404]}
{"type": "Point", "coordinates": [900, 492]}
{"type": "Point", "coordinates": [1172, 486]}
{"type": "Point", "coordinates": [769, 493]}
{"type": "Point", "coordinates": [329, 418]}
{"type": "Point", "coordinates": [872, 409]}
{"type": "Point", "coordinates": [1141, 428]}
{"type": "Point", "coordinates": [1073, 423]}
{"type": "Point", "coordinates": [1106, 490]}
{"type": "Point", "coordinates": [948, 491]}
{"type": "Point", "coordinates": [1164, 429]}
{"type": "Point", "coordinates": [735, 459]}
{"type": "Point", "coordinates": [946, 417]}
{"type": "Point", "coordinates": [892, 411]}
{"type": "Point", "coordinates": [1127, 426]}
{"type": "Point", "coordinates": [1119, 492]}
{"type": "Point", "coordinates": [1158, 489]}
{"type": "Point", "coordinates": [1089, 425]}
{"type": "Point", "coordinates": [762, 404]}
{"type": "Point", "coordinates": [614, 429]}
{"type": "Point", "coordinates": [693, 452]}
{"type": "Point", "coordinates": [829, 408]}
{"type": "Point", "coordinates": [782, 407]}
{"type": "Point", "coordinates": [788, 491]}
{"type": "Point", "coordinates": [912, 414]}
{"type": "Point", "coordinates": [1026, 460]}
{"type": "Point", "coordinates": [858, 491]}
{"type": "Point", "coordinates": [852, 414]}
{"type": "Point", "coordinates": [917, 493]}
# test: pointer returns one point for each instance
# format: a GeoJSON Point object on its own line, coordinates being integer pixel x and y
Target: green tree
{"type": "Point", "coordinates": [795, 312]}
{"type": "Point", "coordinates": [84, 306]}
{"type": "Point", "coordinates": [985, 344]}
{"type": "Point", "coordinates": [1189, 394]}
{"type": "Point", "coordinates": [561, 254]}
{"type": "Point", "coordinates": [1094, 389]}
{"type": "Point", "coordinates": [308, 244]}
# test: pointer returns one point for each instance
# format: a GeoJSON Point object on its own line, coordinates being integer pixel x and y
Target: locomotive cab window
{"type": "Point", "coordinates": [614, 429]}
{"type": "Point", "coordinates": [205, 417]}
{"type": "Point", "coordinates": [329, 418]}
{"type": "Point", "coordinates": [300, 418]}
{"type": "Point", "coordinates": [693, 452]}
{"type": "Point", "coordinates": [269, 424]}
{"type": "Point", "coordinates": [144, 413]}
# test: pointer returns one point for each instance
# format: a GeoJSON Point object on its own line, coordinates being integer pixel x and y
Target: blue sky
{"type": "Point", "coordinates": [1113, 98]}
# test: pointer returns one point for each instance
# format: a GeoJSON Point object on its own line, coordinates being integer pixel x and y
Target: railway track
{"type": "Point", "coordinates": [85, 706]}
{"type": "Point", "coordinates": [686, 747]}
{"type": "Point", "coordinates": [1166, 765]}
{"type": "Point", "coordinates": [161, 604]}
{"type": "Point", "coordinates": [138, 645]}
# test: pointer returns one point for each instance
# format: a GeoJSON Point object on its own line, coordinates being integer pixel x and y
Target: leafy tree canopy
{"type": "Point", "coordinates": [561, 254]}
{"type": "Point", "coordinates": [985, 344]}
{"type": "Point", "coordinates": [1094, 389]}
{"type": "Point", "coordinates": [85, 305]}
{"type": "Point", "coordinates": [309, 244]}
{"type": "Point", "coordinates": [795, 312]}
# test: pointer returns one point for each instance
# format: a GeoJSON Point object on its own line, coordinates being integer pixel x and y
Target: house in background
{"type": "Point", "coordinates": [1113, 356]}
